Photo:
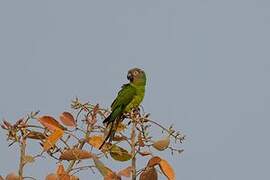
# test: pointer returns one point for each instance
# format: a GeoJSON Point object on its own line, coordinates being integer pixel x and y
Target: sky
{"type": "Point", "coordinates": [207, 63]}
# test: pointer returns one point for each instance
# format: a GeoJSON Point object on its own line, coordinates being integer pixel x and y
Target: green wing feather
{"type": "Point", "coordinates": [124, 97]}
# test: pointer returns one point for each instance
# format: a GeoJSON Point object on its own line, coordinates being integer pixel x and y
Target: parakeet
{"type": "Point", "coordinates": [128, 98]}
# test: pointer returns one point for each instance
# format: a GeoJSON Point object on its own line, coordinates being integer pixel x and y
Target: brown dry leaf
{"type": "Point", "coordinates": [162, 144]}
{"type": "Point", "coordinates": [50, 123]}
{"type": "Point", "coordinates": [52, 139]}
{"type": "Point", "coordinates": [1, 178]}
{"type": "Point", "coordinates": [119, 138]}
{"type": "Point", "coordinates": [149, 174]}
{"type": "Point", "coordinates": [60, 169]}
{"type": "Point", "coordinates": [154, 161]}
{"type": "Point", "coordinates": [104, 171]}
{"type": "Point", "coordinates": [167, 169]}
{"type": "Point", "coordinates": [121, 127]}
{"type": "Point", "coordinates": [64, 177]}
{"type": "Point", "coordinates": [112, 176]}
{"type": "Point", "coordinates": [125, 172]}
{"type": "Point", "coordinates": [61, 173]}
{"type": "Point", "coordinates": [67, 119]}
{"type": "Point", "coordinates": [96, 140]}
{"type": "Point", "coordinates": [75, 154]}
{"type": "Point", "coordinates": [36, 135]}
{"type": "Point", "coordinates": [28, 159]}
{"type": "Point", "coordinates": [74, 178]}
{"type": "Point", "coordinates": [144, 153]}
{"type": "Point", "coordinates": [119, 154]}
{"type": "Point", "coordinates": [140, 141]}
{"type": "Point", "coordinates": [12, 176]}
{"type": "Point", "coordinates": [51, 176]}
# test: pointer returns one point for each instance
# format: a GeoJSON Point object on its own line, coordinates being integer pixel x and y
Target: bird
{"type": "Point", "coordinates": [128, 98]}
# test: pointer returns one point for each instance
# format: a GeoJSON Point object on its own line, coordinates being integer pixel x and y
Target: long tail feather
{"type": "Point", "coordinates": [111, 133]}
{"type": "Point", "coordinates": [108, 136]}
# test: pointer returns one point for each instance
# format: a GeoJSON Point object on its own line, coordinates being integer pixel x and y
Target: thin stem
{"type": "Point", "coordinates": [22, 157]}
{"type": "Point", "coordinates": [133, 149]}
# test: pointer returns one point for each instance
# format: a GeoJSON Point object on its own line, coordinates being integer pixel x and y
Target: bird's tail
{"type": "Point", "coordinates": [111, 133]}
{"type": "Point", "coordinates": [108, 119]}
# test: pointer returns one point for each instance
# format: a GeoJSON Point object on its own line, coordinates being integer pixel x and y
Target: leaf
{"type": "Point", "coordinates": [68, 119]}
{"type": "Point", "coordinates": [144, 153]}
{"type": "Point", "coordinates": [50, 123]}
{"type": "Point", "coordinates": [12, 176]}
{"type": "Point", "coordinates": [61, 173]}
{"type": "Point", "coordinates": [153, 161]}
{"type": "Point", "coordinates": [167, 169]}
{"type": "Point", "coordinates": [36, 135]}
{"type": "Point", "coordinates": [112, 176]}
{"type": "Point", "coordinates": [28, 159]}
{"type": "Point", "coordinates": [75, 154]}
{"type": "Point", "coordinates": [51, 176]}
{"type": "Point", "coordinates": [140, 140]}
{"type": "Point", "coordinates": [96, 142]}
{"type": "Point", "coordinates": [162, 144]}
{"type": "Point", "coordinates": [1, 178]}
{"type": "Point", "coordinates": [119, 138]}
{"type": "Point", "coordinates": [125, 172]}
{"type": "Point", "coordinates": [119, 154]}
{"type": "Point", "coordinates": [104, 171]}
{"type": "Point", "coordinates": [149, 174]}
{"type": "Point", "coordinates": [60, 169]}
{"type": "Point", "coordinates": [52, 139]}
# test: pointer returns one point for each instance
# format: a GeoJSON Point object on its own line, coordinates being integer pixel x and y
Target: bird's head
{"type": "Point", "coordinates": [136, 76]}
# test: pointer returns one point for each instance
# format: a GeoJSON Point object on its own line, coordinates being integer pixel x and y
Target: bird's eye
{"type": "Point", "coordinates": [135, 73]}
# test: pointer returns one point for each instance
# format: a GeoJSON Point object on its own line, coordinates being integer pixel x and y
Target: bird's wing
{"type": "Point", "coordinates": [124, 97]}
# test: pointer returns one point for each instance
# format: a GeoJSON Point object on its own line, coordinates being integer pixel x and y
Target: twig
{"type": "Point", "coordinates": [133, 149]}
{"type": "Point", "coordinates": [22, 157]}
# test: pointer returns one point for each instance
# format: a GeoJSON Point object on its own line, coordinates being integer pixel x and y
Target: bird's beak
{"type": "Point", "coordinates": [130, 77]}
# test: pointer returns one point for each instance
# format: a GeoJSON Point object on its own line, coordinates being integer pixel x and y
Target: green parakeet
{"type": "Point", "coordinates": [128, 98]}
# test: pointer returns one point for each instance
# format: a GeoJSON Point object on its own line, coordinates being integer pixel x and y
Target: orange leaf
{"type": "Point", "coordinates": [60, 169]}
{"type": "Point", "coordinates": [167, 169]}
{"type": "Point", "coordinates": [52, 139]}
{"type": "Point", "coordinates": [144, 153]}
{"type": "Point", "coordinates": [61, 173]}
{"type": "Point", "coordinates": [119, 138]}
{"type": "Point", "coordinates": [112, 176]}
{"type": "Point", "coordinates": [51, 176]}
{"type": "Point", "coordinates": [35, 135]}
{"type": "Point", "coordinates": [149, 174]}
{"type": "Point", "coordinates": [154, 161]}
{"type": "Point", "coordinates": [50, 123]}
{"type": "Point", "coordinates": [162, 144]}
{"type": "Point", "coordinates": [67, 119]}
{"type": "Point", "coordinates": [75, 154]}
{"type": "Point", "coordinates": [125, 172]}
{"type": "Point", "coordinates": [96, 142]}
{"type": "Point", "coordinates": [12, 176]}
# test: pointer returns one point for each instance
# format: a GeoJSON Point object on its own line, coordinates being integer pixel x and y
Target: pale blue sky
{"type": "Point", "coordinates": [207, 61]}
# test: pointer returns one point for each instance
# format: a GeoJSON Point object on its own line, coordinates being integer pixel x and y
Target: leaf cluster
{"type": "Point", "coordinates": [75, 137]}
